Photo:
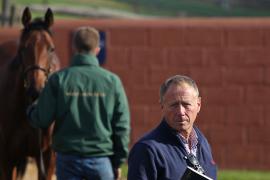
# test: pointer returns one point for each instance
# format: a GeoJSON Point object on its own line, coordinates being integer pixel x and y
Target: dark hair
{"type": "Point", "coordinates": [177, 79]}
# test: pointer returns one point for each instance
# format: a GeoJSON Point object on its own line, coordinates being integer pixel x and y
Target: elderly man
{"type": "Point", "coordinates": [175, 143]}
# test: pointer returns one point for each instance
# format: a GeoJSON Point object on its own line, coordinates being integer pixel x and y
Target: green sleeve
{"type": "Point", "coordinates": [120, 126]}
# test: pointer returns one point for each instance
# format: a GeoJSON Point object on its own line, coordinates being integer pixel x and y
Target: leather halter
{"type": "Point", "coordinates": [34, 68]}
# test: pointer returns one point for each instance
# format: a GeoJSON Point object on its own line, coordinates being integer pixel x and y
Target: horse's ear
{"type": "Point", "coordinates": [26, 17]}
{"type": "Point", "coordinates": [49, 18]}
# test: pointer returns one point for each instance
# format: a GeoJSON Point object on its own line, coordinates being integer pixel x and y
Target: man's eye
{"type": "Point", "coordinates": [175, 105]}
{"type": "Point", "coordinates": [187, 106]}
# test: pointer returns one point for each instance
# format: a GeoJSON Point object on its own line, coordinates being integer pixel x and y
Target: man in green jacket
{"type": "Point", "coordinates": [90, 110]}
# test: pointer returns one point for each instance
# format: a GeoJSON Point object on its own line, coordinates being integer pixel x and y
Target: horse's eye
{"type": "Point", "coordinates": [51, 49]}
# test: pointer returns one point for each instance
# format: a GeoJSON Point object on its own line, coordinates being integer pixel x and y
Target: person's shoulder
{"type": "Point", "coordinates": [144, 142]}
{"type": "Point", "coordinates": [108, 72]}
{"type": "Point", "coordinates": [150, 138]}
{"type": "Point", "coordinates": [109, 75]}
{"type": "Point", "coordinates": [199, 133]}
{"type": "Point", "coordinates": [151, 142]}
{"type": "Point", "coordinates": [201, 137]}
{"type": "Point", "coordinates": [58, 73]}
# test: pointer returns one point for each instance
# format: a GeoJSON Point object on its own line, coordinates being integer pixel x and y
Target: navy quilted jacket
{"type": "Point", "coordinates": [161, 155]}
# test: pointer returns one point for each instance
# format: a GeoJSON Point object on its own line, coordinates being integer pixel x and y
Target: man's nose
{"type": "Point", "coordinates": [181, 109]}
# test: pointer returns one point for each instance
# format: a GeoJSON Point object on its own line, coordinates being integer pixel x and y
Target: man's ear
{"type": "Point", "coordinates": [199, 103]}
{"type": "Point", "coordinates": [161, 105]}
{"type": "Point", "coordinates": [97, 50]}
{"type": "Point", "coordinates": [162, 109]}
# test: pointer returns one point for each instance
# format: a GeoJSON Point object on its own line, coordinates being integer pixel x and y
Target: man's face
{"type": "Point", "coordinates": [180, 107]}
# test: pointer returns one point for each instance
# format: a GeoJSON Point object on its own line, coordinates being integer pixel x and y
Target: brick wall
{"type": "Point", "coordinates": [228, 58]}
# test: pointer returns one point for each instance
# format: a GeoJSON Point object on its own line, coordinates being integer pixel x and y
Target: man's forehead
{"type": "Point", "coordinates": [180, 92]}
{"type": "Point", "coordinates": [181, 88]}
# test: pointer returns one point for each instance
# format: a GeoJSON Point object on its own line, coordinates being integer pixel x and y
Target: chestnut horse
{"type": "Point", "coordinates": [21, 80]}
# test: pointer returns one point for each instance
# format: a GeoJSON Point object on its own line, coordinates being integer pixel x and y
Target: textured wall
{"type": "Point", "coordinates": [229, 59]}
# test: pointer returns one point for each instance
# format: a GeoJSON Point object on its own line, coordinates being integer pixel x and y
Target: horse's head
{"type": "Point", "coordinates": [36, 52]}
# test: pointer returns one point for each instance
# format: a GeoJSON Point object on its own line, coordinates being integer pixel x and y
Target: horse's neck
{"type": "Point", "coordinates": [55, 63]}
{"type": "Point", "coordinates": [12, 86]}
{"type": "Point", "coordinates": [7, 51]}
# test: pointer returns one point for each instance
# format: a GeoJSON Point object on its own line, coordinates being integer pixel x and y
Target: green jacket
{"type": "Point", "coordinates": [90, 109]}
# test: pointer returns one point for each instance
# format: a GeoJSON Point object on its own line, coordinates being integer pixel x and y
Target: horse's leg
{"type": "Point", "coordinates": [20, 169]}
{"type": "Point", "coordinates": [48, 153]}
{"type": "Point", "coordinates": [52, 167]}
{"type": "Point", "coordinates": [49, 160]}
{"type": "Point", "coordinates": [3, 173]}
{"type": "Point", "coordinates": [9, 172]}
{"type": "Point", "coordinates": [6, 165]}
{"type": "Point", "coordinates": [14, 173]}
{"type": "Point", "coordinates": [9, 175]}
{"type": "Point", "coordinates": [2, 167]}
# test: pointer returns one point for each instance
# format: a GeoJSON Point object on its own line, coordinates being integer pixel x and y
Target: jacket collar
{"type": "Point", "coordinates": [84, 59]}
{"type": "Point", "coordinates": [165, 126]}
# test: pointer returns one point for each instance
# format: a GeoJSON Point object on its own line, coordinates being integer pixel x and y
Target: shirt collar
{"type": "Point", "coordinates": [193, 138]}
{"type": "Point", "coordinates": [84, 59]}
{"type": "Point", "coordinates": [193, 134]}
